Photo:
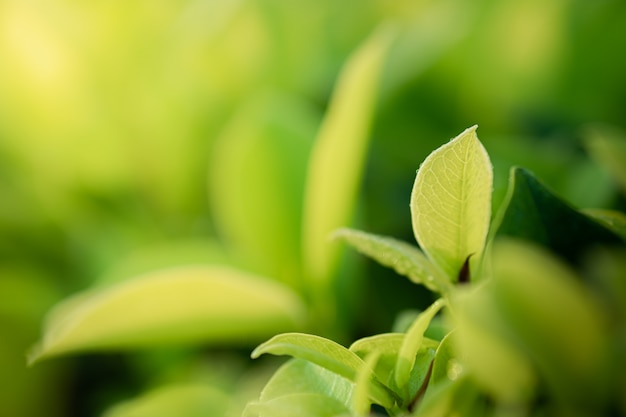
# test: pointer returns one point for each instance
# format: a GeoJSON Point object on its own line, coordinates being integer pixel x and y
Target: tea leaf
{"type": "Point", "coordinates": [361, 403]}
{"type": "Point", "coordinates": [338, 155]}
{"type": "Point", "coordinates": [384, 344]}
{"type": "Point", "coordinates": [325, 353]}
{"type": "Point", "coordinates": [300, 404]}
{"type": "Point", "coordinates": [173, 306]}
{"type": "Point", "coordinates": [413, 342]}
{"type": "Point", "coordinates": [300, 376]}
{"type": "Point", "coordinates": [532, 212]}
{"type": "Point", "coordinates": [404, 258]}
{"type": "Point", "coordinates": [451, 202]}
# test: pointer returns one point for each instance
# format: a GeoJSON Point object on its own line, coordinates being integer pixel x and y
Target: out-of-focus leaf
{"type": "Point", "coordinates": [166, 255]}
{"type": "Point", "coordinates": [492, 359]}
{"type": "Point", "coordinates": [451, 203]}
{"type": "Point", "coordinates": [325, 353]}
{"type": "Point", "coordinates": [608, 147]}
{"type": "Point", "coordinates": [556, 319]}
{"type": "Point", "coordinates": [179, 400]}
{"type": "Point", "coordinates": [404, 258]}
{"type": "Point", "coordinates": [180, 305]}
{"type": "Point", "coordinates": [361, 403]}
{"type": "Point", "coordinates": [338, 156]}
{"type": "Point", "coordinates": [614, 220]}
{"type": "Point", "coordinates": [257, 176]}
{"type": "Point", "coordinates": [531, 212]}
{"type": "Point", "coordinates": [413, 341]}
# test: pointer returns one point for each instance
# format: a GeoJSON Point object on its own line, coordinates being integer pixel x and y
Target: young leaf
{"type": "Point", "coordinates": [301, 376]}
{"type": "Point", "coordinates": [325, 353]}
{"type": "Point", "coordinates": [338, 154]}
{"type": "Point", "coordinates": [451, 202]}
{"type": "Point", "coordinates": [412, 343]}
{"type": "Point", "coordinates": [361, 403]}
{"type": "Point", "coordinates": [173, 306]}
{"type": "Point", "coordinates": [179, 400]}
{"type": "Point", "coordinates": [384, 344]}
{"type": "Point", "coordinates": [301, 405]}
{"type": "Point", "coordinates": [531, 212]}
{"type": "Point", "coordinates": [404, 258]}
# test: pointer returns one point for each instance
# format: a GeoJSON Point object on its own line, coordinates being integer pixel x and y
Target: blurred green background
{"type": "Point", "coordinates": [113, 116]}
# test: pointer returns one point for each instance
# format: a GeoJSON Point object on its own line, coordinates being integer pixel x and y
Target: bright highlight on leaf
{"type": "Point", "coordinates": [413, 341]}
{"type": "Point", "coordinates": [451, 202]}
{"type": "Point", "coordinates": [174, 306]}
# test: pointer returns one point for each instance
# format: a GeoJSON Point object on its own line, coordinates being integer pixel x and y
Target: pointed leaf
{"type": "Point", "coordinates": [413, 341]}
{"type": "Point", "coordinates": [532, 212]}
{"type": "Point", "coordinates": [325, 353]}
{"type": "Point", "coordinates": [336, 163]}
{"type": "Point", "coordinates": [451, 202]}
{"type": "Point", "coordinates": [174, 306]}
{"type": "Point", "coordinates": [404, 258]}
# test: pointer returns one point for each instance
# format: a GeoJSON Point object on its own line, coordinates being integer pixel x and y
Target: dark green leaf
{"type": "Point", "coordinates": [532, 212]}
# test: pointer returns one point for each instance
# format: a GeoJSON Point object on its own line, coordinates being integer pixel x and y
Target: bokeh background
{"type": "Point", "coordinates": [113, 114]}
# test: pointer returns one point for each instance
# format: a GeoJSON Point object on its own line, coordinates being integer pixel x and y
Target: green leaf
{"type": "Point", "coordinates": [413, 342]}
{"type": "Point", "coordinates": [180, 305]}
{"type": "Point", "coordinates": [256, 181]}
{"type": "Point", "coordinates": [298, 376]}
{"type": "Point", "coordinates": [446, 366]}
{"type": "Point", "coordinates": [387, 346]}
{"type": "Point", "coordinates": [301, 404]}
{"type": "Point", "coordinates": [451, 203]}
{"type": "Point", "coordinates": [489, 354]}
{"type": "Point", "coordinates": [361, 403]}
{"type": "Point", "coordinates": [532, 212]}
{"type": "Point", "coordinates": [325, 353]}
{"type": "Point", "coordinates": [404, 258]}
{"type": "Point", "coordinates": [608, 147]}
{"type": "Point", "coordinates": [337, 159]}
{"type": "Point", "coordinates": [555, 318]}
{"type": "Point", "coordinates": [180, 400]}
{"type": "Point", "coordinates": [612, 219]}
